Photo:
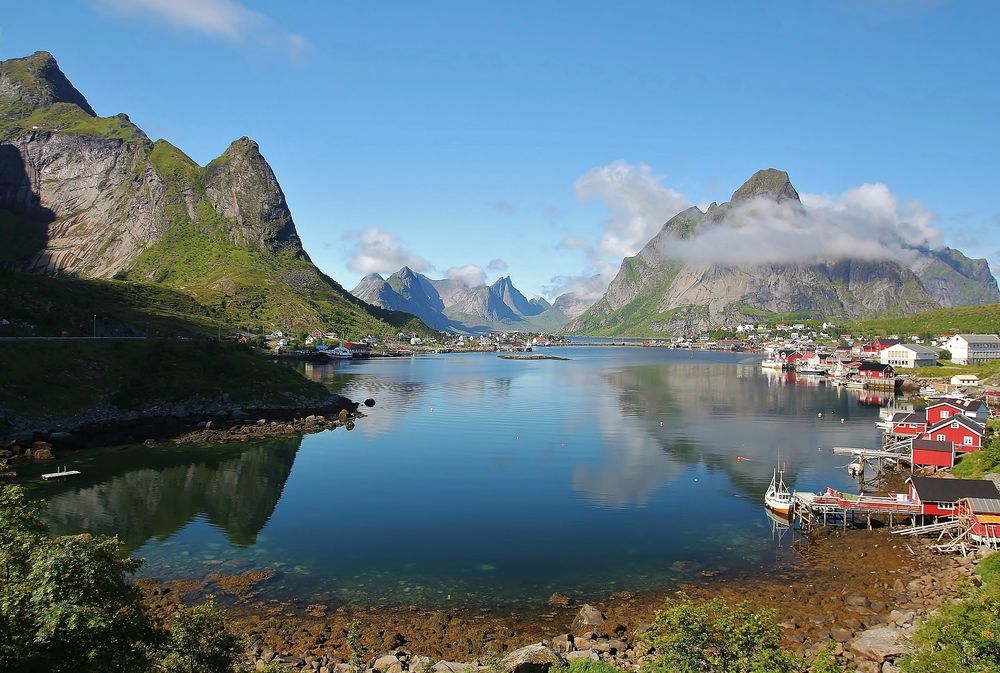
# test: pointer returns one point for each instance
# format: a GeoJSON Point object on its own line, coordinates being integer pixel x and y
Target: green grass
{"type": "Point", "coordinates": [42, 380]}
{"type": "Point", "coordinates": [41, 306]}
{"type": "Point", "coordinates": [979, 463]}
{"type": "Point", "coordinates": [989, 569]}
{"type": "Point", "coordinates": [70, 118]}
{"type": "Point", "coordinates": [947, 369]}
{"type": "Point", "coordinates": [984, 318]}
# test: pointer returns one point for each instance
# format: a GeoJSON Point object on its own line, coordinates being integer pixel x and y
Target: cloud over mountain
{"type": "Point", "coordinates": [866, 222]}
{"type": "Point", "coordinates": [376, 251]}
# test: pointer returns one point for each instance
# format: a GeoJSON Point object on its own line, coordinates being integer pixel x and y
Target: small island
{"type": "Point", "coordinates": [533, 356]}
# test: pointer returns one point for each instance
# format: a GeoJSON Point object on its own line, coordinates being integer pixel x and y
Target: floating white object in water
{"type": "Point", "coordinates": [819, 415]}
{"type": "Point", "coordinates": [661, 424]}
{"type": "Point", "coordinates": [819, 448]}
{"type": "Point", "coordinates": [841, 420]}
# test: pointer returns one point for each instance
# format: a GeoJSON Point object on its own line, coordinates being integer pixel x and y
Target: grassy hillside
{"type": "Point", "coordinates": [241, 286]}
{"type": "Point", "coordinates": [41, 306]}
{"type": "Point", "coordinates": [42, 380]}
{"type": "Point", "coordinates": [984, 318]}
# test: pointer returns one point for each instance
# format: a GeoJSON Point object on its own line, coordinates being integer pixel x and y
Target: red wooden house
{"type": "Point", "coordinates": [939, 411]}
{"type": "Point", "coordinates": [878, 345]}
{"type": "Point", "coordinates": [928, 453]}
{"type": "Point", "coordinates": [983, 515]}
{"type": "Point", "coordinates": [939, 497]}
{"type": "Point", "coordinates": [909, 424]}
{"type": "Point", "coordinates": [965, 433]}
{"type": "Point", "coordinates": [876, 371]}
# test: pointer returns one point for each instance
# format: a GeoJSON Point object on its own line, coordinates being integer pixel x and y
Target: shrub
{"type": "Point", "coordinates": [713, 637]}
{"type": "Point", "coordinates": [200, 643]}
{"type": "Point", "coordinates": [65, 602]}
{"type": "Point", "coordinates": [961, 637]}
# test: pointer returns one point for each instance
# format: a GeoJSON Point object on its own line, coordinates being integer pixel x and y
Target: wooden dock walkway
{"type": "Point", "coordinates": [835, 507]}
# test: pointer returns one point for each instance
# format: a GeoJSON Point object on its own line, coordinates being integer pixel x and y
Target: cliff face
{"type": "Point", "coordinates": [97, 198]}
{"type": "Point", "coordinates": [92, 196]}
{"type": "Point", "coordinates": [657, 292]}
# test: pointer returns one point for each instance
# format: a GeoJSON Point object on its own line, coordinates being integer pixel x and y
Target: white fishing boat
{"type": "Point", "coordinates": [339, 353]}
{"type": "Point", "coordinates": [812, 370]}
{"type": "Point", "coordinates": [778, 498]}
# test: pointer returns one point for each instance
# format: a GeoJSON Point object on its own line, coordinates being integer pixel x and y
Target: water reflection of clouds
{"type": "Point", "coordinates": [657, 420]}
{"type": "Point", "coordinates": [635, 465]}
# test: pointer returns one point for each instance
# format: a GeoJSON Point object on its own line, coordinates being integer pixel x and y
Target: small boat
{"type": "Point", "coordinates": [812, 370]}
{"type": "Point", "coordinates": [885, 425]}
{"type": "Point", "coordinates": [339, 353]}
{"type": "Point", "coordinates": [778, 498]}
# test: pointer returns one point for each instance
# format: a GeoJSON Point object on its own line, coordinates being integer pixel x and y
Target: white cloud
{"type": "Point", "coordinates": [469, 275]}
{"type": "Point", "coordinates": [586, 288]}
{"type": "Point", "coordinates": [497, 265]}
{"type": "Point", "coordinates": [638, 200]}
{"type": "Point", "coordinates": [867, 222]}
{"type": "Point", "coordinates": [221, 19]}
{"type": "Point", "coordinates": [377, 251]}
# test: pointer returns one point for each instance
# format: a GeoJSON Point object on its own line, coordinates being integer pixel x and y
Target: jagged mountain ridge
{"type": "Point", "coordinates": [93, 197]}
{"type": "Point", "coordinates": [657, 293]}
{"type": "Point", "coordinates": [449, 305]}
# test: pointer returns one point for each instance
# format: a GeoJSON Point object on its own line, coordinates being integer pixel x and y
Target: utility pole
{"type": "Point", "coordinates": [95, 325]}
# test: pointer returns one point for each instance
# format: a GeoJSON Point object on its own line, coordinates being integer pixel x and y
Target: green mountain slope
{"type": "Point", "coordinates": [91, 196]}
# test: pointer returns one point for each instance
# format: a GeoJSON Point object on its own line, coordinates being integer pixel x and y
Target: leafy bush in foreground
{"type": "Point", "coordinates": [66, 606]}
{"type": "Point", "coordinates": [713, 637]}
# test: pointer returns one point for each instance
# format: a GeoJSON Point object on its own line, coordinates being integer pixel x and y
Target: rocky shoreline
{"type": "Point", "coordinates": [863, 590]}
{"type": "Point", "coordinates": [216, 424]}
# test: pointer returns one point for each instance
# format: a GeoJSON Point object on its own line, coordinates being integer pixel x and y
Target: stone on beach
{"type": "Point", "coordinates": [531, 659]}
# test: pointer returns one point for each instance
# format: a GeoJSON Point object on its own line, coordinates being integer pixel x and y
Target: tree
{"type": "Point", "coordinates": [65, 602]}
{"type": "Point", "coordinates": [200, 643]}
{"type": "Point", "coordinates": [713, 637]}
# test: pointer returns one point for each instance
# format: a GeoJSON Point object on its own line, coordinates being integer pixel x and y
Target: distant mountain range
{"type": "Point", "coordinates": [93, 197]}
{"type": "Point", "coordinates": [659, 291]}
{"type": "Point", "coordinates": [450, 305]}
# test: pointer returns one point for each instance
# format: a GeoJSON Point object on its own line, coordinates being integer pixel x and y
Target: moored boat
{"type": "Point", "coordinates": [778, 498]}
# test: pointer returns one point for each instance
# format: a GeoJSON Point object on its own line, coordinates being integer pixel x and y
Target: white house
{"type": "Point", "coordinates": [908, 356]}
{"type": "Point", "coordinates": [969, 349]}
{"type": "Point", "coordinates": [965, 380]}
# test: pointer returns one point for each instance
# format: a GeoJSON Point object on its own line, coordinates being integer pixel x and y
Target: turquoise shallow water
{"type": "Point", "coordinates": [484, 481]}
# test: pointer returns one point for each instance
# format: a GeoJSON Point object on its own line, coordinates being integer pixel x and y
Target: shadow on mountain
{"type": "Point", "coordinates": [23, 220]}
{"type": "Point", "coordinates": [234, 488]}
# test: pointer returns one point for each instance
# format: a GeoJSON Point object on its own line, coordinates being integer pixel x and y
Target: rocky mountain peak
{"type": "Point", "coordinates": [372, 277]}
{"type": "Point", "coordinates": [769, 182]}
{"type": "Point", "coordinates": [33, 82]}
{"type": "Point", "coordinates": [241, 186]}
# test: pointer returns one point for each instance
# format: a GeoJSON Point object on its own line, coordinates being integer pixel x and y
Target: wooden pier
{"type": "Point", "coordinates": [836, 508]}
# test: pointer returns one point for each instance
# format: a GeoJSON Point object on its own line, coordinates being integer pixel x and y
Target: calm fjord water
{"type": "Point", "coordinates": [477, 480]}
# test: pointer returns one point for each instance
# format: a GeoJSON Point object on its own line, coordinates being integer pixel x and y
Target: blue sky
{"type": "Point", "coordinates": [551, 139]}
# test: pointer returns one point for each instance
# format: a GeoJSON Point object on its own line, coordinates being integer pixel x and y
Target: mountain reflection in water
{"type": "Point", "coordinates": [486, 481]}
